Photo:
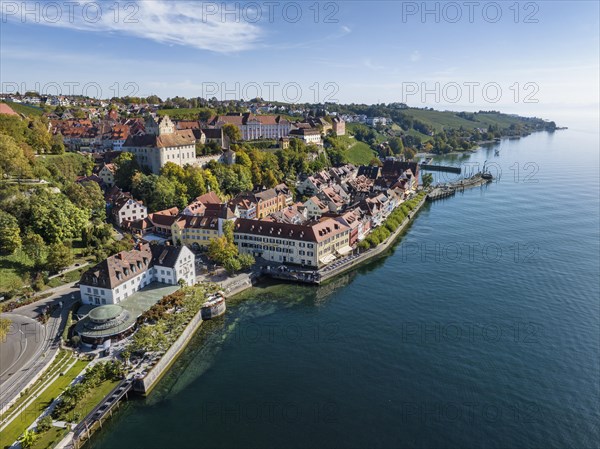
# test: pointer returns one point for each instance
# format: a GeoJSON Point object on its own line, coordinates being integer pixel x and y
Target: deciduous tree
{"type": "Point", "coordinates": [10, 238]}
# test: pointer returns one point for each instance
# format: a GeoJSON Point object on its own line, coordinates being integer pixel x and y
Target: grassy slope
{"type": "Point", "coordinates": [360, 153]}
{"type": "Point", "coordinates": [448, 119]}
{"type": "Point", "coordinates": [24, 109]}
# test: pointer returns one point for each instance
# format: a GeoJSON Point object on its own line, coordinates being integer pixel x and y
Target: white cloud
{"type": "Point", "coordinates": [198, 25]}
{"type": "Point", "coordinates": [415, 56]}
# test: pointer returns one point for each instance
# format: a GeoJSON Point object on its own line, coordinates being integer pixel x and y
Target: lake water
{"type": "Point", "coordinates": [480, 329]}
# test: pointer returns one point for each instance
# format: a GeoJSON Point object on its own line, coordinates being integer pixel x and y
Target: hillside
{"type": "Point", "coordinates": [444, 120]}
{"type": "Point", "coordinates": [30, 111]}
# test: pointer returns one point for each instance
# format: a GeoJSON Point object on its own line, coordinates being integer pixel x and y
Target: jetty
{"type": "Point", "coordinates": [94, 420]}
{"type": "Point", "coordinates": [442, 168]}
{"type": "Point", "coordinates": [447, 190]}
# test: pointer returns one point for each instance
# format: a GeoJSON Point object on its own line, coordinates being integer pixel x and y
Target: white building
{"type": "Point", "coordinates": [107, 174]}
{"type": "Point", "coordinates": [123, 274]}
{"type": "Point", "coordinates": [308, 135]}
{"type": "Point", "coordinates": [313, 245]}
{"type": "Point", "coordinates": [162, 143]}
{"type": "Point", "coordinates": [128, 209]}
{"type": "Point", "coordinates": [253, 127]}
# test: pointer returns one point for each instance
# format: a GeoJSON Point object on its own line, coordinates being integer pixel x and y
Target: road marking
{"type": "Point", "coordinates": [20, 354]}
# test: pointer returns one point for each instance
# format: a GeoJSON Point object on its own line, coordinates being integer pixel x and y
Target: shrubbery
{"type": "Point", "coordinates": [92, 378]}
{"type": "Point", "coordinates": [393, 222]}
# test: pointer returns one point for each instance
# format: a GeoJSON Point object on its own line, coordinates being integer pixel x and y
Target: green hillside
{"type": "Point", "coordinates": [444, 120]}
{"type": "Point", "coordinates": [25, 109]}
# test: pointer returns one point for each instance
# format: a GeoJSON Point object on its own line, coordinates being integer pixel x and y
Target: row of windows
{"type": "Point", "coordinates": [198, 237]}
{"type": "Point", "coordinates": [273, 240]}
{"type": "Point", "coordinates": [277, 249]}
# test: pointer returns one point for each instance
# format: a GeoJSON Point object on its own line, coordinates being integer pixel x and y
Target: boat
{"type": "Point", "coordinates": [486, 174]}
{"type": "Point", "coordinates": [214, 306]}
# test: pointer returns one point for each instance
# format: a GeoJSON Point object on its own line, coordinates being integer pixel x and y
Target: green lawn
{"type": "Point", "coordinates": [71, 276]}
{"type": "Point", "coordinates": [89, 402]}
{"type": "Point", "coordinates": [29, 415]}
{"type": "Point", "coordinates": [12, 270]}
{"type": "Point", "coordinates": [50, 438]}
{"type": "Point", "coordinates": [15, 267]}
{"type": "Point", "coordinates": [360, 153]}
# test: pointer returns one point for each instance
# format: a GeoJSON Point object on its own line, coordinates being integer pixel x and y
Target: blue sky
{"type": "Point", "coordinates": [356, 51]}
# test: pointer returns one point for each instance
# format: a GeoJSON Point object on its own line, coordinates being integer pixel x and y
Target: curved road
{"type": "Point", "coordinates": [24, 342]}
{"type": "Point", "coordinates": [30, 345]}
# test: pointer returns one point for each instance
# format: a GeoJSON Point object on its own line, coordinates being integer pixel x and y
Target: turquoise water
{"type": "Point", "coordinates": [480, 329]}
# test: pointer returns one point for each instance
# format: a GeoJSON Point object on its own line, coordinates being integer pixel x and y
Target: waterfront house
{"type": "Point", "coordinates": [123, 274]}
{"type": "Point", "coordinates": [314, 244]}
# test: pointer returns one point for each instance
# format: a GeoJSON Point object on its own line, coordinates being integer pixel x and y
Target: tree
{"type": "Point", "coordinates": [44, 423]}
{"type": "Point", "coordinates": [408, 153]}
{"type": "Point", "coordinates": [59, 257]}
{"type": "Point", "coordinates": [12, 159]}
{"type": "Point", "coordinates": [168, 193]}
{"type": "Point", "coordinates": [172, 171]}
{"type": "Point", "coordinates": [205, 115]}
{"type": "Point", "coordinates": [427, 179]}
{"type": "Point", "coordinates": [221, 250]}
{"type": "Point", "coordinates": [55, 218]}
{"type": "Point", "coordinates": [126, 168]}
{"type": "Point", "coordinates": [232, 131]}
{"type": "Point", "coordinates": [4, 328]}
{"type": "Point", "coordinates": [396, 145]}
{"type": "Point", "coordinates": [57, 144]}
{"type": "Point", "coordinates": [242, 158]}
{"type": "Point", "coordinates": [246, 261]}
{"type": "Point", "coordinates": [10, 239]}
{"type": "Point", "coordinates": [126, 354]}
{"type": "Point", "coordinates": [232, 265]}
{"type": "Point", "coordinates": [88, 195]}
{"type": "Point", "coordinates": [194, 181]}
{"type": "Point", "coordinates": [67, 167]}
{"type": "Point", "coordinates": [27, 439]}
